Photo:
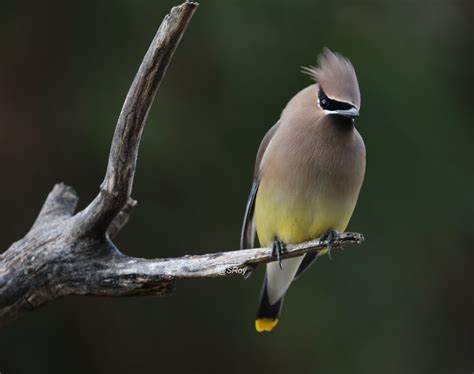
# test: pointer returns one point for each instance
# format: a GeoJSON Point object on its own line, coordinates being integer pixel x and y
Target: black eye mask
{"type": "Point", "coordinates": [329, 104]}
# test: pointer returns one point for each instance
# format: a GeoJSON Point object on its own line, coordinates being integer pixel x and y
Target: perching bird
{"type": "Point", "coordinates": [308, 174]}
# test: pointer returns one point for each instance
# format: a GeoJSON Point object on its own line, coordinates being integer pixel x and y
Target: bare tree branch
{"type": "Point", "coordinates": [228, 263]}
{"type": "Point", "coordinates": [117, 185]}
{"type": "Point", "coordinates": [97, 268]}
{"type": "Point", "coordinates": [122, 218]}
{"type": "Point", "coordinates": [72, 254]}
{"type": "Point", "coordinates": [61, 202]}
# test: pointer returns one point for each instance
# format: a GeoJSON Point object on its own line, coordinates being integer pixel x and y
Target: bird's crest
{"type": "Point", "coordinates": [336, 75]}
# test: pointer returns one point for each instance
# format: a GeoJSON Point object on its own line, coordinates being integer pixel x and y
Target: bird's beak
{"type": "Point", "coordinates": [349, 113]}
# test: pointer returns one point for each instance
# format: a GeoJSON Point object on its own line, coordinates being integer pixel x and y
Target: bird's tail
{"type": "Point", "coordinates": [267, 314]}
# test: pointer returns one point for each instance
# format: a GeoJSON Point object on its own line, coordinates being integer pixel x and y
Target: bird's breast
{"type": "Point", "coordinates": [309, 184]}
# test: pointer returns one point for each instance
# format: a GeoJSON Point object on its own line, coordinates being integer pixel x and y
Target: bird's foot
{"type": "Point", "coordinates": [278, 249]}
{"type": "Point", "coordinates": [330, 237]}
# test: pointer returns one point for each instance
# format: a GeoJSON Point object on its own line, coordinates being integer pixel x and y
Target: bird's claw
{"type": "Point", "coordinates": [277, 250]}
{"type": "Point", "coordinates": [330, 237]}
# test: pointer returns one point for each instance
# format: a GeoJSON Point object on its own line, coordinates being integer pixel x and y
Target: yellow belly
{"type": "Point", "coordinates": [295, 218]}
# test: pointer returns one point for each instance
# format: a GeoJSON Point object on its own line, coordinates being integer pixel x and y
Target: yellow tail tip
{"type": "Point", "coordinates": [265, 324]}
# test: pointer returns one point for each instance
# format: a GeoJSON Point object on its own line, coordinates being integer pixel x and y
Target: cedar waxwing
{"type": "Point", "coordinates": [308, 174]}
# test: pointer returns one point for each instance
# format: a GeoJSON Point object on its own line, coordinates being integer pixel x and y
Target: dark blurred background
{"type": "Point", "coordinates": [402, 302]}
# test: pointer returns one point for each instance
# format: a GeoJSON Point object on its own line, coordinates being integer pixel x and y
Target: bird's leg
{"type": "Point", "coordinates": [277, 250]}
{"type": "Point", "coordinates": [330, 237]}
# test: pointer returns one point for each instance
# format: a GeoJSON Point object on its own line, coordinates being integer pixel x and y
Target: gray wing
{"type": "Point", "coordinates": [247, 237]}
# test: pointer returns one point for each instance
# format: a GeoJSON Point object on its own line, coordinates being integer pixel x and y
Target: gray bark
{"type": "Point", "coordinates": [69, 253]}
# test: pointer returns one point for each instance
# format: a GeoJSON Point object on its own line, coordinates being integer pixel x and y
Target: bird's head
{"type": "Point", "coordinates": [338, 89]}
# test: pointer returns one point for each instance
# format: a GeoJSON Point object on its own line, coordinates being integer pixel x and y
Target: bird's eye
{"type": "Point", "coordinates": [323, 99]}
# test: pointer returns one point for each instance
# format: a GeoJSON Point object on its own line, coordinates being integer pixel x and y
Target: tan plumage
{"type": "Point", "coordinates": [309, 170]}
{"type": "Point", "coordinates": [337, 75]}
